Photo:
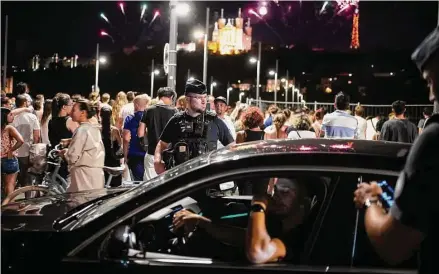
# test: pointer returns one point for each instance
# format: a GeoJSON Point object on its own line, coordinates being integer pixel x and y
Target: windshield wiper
{"type": "Point", "coordinates": [62, 222]}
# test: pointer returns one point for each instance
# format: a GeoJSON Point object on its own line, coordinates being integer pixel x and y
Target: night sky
{"type": "Point", "coordinates": [73, 27]}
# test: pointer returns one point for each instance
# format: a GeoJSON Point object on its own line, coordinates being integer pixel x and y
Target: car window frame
{"type": "Point", "coordinates": [152, 205]}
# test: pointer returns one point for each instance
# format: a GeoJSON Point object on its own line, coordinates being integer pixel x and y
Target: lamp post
{"type": "Point", "coordinates": [97, 68]}
{"type": "Point", "coordinates": [205, 56]}
{"type": "Point", "coordinates": [228, 94]}
{"type": "Point", "coordinates": [240, 96]}
{"type": "Point", "coordinates": [5, 57]}
{"type": "Point", "coordinates": [177, 9]}
{"type": "Point", "coordinates": [274, 72]}
{"type": "Point", "coordinates": [212, 85]}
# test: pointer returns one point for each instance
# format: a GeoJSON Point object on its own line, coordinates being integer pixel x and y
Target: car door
{"type": "Point", "coordinates": [157, 263]}
{"type": "Point", "coordinates": [342, 241]}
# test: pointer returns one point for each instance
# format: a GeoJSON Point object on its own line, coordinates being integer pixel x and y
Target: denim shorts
{"type": "Point", "coordinates": [10, 166]}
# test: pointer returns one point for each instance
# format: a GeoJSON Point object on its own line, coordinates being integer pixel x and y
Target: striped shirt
{"type": "Point", "coordinates": [340, 124]}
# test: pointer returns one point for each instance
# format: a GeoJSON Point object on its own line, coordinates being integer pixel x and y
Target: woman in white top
{"type": "Point", "coordinates": [47, 115]}
{"type": "Point", "coordinates": [362, 124]}
{"type": "Point", "coordinates": [85, 154]}
{"type": "Point", "coordinates": [302, 129]}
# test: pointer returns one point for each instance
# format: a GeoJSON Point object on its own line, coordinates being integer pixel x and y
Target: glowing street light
{"type": "Point", "coordinates": [183, 9]}
{"type": "Point", "coordinates": [272, 72]}
{"type": "Point", "coordinates": [228, 94]}
{"type": "Point", "coordinates": [263, 11]}
{"type": "Point", "coordinates": [156, 72]}
{"type": "Point", "coordinates": [212, 85]}
{"type": "Point", "coordinates": [103, 60]}
{"type": "Point", "coordinates": [191, 78]}
{"type": "Point", "coordinates": [253, 60]}
{"type": "Point", "coordinates": [198, 34]}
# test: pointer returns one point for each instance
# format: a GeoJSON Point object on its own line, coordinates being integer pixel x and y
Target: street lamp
{"type": "Point", "coordinates": [103, 60]}
{"type": "Point", "coordinates": [253, 60]}
{"type": "Point", "coordinates": [182, 9]}
{"type": "Point", "coordinates": [198, 34]}
{"type": "Point", "coordinates": [156, 72]}
{"type": "Point", "coordinates": [240, 96]}
{"type": "Point", "coordinates": [228, 94]}
{"type": "Point", "coordinates": [191, 78]}
{"type": "Point", "coordinates": [212, 85]}
{"type": "Point", "coordinates": [275, 73]}
{"type": "Point", "coordinates": [177, 9]}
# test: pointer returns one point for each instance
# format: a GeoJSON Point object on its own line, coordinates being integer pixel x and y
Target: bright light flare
{"type": "Point", "coordinates": [156, 14]}
{"type": "Point", "coordinates": [183, 9]}
{"type": "Point", "coordinates": [105, 18]}
{"type": "Point", "coordinates": [198, 34]}
{"type": "Point", "coordinates": [263, 11]}
{"type": "Point", "coordinates": [104, 33]}
{"type": "Point", "coordinates": [122, 8]}
{"type": "Point", "coordinates": [103, 60]}
{"type": "Point", "coordinates": [214, 84]}
{"type": "Point", "coordinates": [253, 60]}
{"type": "Point", "coordinates": [272, 72]}
{"type": "Point", "coordinates": [142, 13]}
{"type": "Point", "coordinates": [156, 72]}
{"type": "Point", "coordinates": [191, 78]}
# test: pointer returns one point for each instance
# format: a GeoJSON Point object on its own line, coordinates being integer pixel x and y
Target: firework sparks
{"type": "Point", "coordinates": [142, 13]}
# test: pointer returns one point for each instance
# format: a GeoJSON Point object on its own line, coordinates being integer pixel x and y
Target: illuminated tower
{"type": "Point", "coordinates": [355, 38]}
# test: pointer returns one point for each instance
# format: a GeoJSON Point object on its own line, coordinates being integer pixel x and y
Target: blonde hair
{"type": "Point", "coordinates": [105, 98]}
{"type": "Point", "coordinates": [278, 122]}
{"type": "Point", "coordinates": [121, 100]}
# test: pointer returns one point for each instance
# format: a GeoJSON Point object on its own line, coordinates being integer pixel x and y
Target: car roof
{"type": "Point", "coordinates": [311, 146]}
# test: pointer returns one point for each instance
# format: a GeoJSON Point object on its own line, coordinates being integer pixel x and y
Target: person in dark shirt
{"type": "Point", "coordinates": [410, 224]}
{"type": "Point", "coordinates": [195, 114]}
{"type": "Point", "coordinates": [152, 124]}
{"type": "Point", "coordinates": [399, 129]}
{"type": "Point", "coordinates": [274, 228]}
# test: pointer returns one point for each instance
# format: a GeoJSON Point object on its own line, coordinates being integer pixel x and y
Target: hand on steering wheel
{"type": "Point", "coordinates": [186, 219]}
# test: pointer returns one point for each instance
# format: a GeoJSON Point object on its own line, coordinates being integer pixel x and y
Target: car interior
{"type": "Point", "coordinates": [223, 204]}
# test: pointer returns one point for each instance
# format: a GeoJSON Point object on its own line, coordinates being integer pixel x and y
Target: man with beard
{"type": "Point", "coordinates": [192, 132]}
{"type": "Point", "coordinates": [412, 215]}
{"type": "Point", "coordinates": [274, 228]}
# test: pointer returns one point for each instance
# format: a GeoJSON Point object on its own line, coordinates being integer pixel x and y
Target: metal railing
{"type": "Point", "coordinates": [413, 112]}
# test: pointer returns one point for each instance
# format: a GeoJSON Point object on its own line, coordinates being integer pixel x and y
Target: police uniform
{"type": "Point", "coordinates": [193, 136]}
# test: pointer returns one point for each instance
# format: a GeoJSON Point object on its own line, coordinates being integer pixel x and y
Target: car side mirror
{"type": "Point", "coordinates": [119, 243]}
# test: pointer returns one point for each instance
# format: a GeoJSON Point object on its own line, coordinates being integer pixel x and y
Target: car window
{"type": "Point", "coordinates": [228, 211]}
{"type": "Point", "coordinates": [342, 239]}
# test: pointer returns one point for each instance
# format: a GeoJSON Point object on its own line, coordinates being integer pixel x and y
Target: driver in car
{"type": "Point", "coordinates": [273, 231]}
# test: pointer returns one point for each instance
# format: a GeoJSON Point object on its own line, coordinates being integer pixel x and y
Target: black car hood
{"type": "Point", "coordinates": [39, 214]}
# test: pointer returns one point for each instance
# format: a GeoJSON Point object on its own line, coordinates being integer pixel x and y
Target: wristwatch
{"type": "Point", "coordinates": [257, 208]}
{"type": "Point", "coordinates": [369, 202]}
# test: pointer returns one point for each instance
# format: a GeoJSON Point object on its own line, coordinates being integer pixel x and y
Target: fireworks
{"type": "Point", "coordinates": [134, 27]}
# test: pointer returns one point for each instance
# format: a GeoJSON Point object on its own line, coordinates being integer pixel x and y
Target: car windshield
{"type": "Point", "coordinates": [142, 188]}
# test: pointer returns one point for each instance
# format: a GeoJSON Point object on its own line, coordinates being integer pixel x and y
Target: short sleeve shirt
{"type": "Point", "coordinates": [132, 123]}
{"type": "Point", "coordinates": [416, 191]}
{"type": "Point", "coordinates": [26, 123]}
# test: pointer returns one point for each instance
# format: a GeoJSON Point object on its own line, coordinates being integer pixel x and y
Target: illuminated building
{"type": "Point", "coordinates": [230, 37]}
{"type": "Point", "coordinates": [355, 38]}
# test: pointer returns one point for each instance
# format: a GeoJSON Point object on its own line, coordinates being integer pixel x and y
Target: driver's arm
{"type": "Point", "coordinates": [260, 247]}
{"type": "Point", "coordinates": [234, 236]}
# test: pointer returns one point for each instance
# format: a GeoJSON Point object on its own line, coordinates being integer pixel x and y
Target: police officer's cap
{"type": "Point", "coordinates": [195, 86]}
{"type": "Point", "coordinates": [426, 50]}
{"type": "Point", "coordinates": [220, 99]}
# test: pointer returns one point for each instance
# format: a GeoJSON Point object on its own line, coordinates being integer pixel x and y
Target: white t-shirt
{"type": "Point", "coordinates": [26, 123]}
{"type": "Point", "coordinates": [126, 110]}
{"type": "Point", "coordinates": [228, 121]}
{"type": "Point", "coordinates": [301, 134]}
{"type": "Point", "coordinates": [371, 126]}
{"type": "Point", "coordinates": [361, 128]}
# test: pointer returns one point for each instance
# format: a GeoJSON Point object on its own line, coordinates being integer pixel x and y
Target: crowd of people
{"type": "Point", "coordinates": [103, 131]}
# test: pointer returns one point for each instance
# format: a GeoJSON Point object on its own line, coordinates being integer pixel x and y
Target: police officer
{"type": "Point", "coordinates": [411, 223]}
{"type": "Point", "coordinates": [192, 132]}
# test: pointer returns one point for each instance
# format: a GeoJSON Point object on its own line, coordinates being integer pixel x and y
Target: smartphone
{"type": "Point", "coordinates": [387, 195]}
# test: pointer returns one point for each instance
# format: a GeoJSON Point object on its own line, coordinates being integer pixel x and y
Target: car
{"type": "Point", "coordinates": [130, 231]}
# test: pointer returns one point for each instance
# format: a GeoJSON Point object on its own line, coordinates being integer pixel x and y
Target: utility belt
{"type": "Point", "coordinates": [183, 151]}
